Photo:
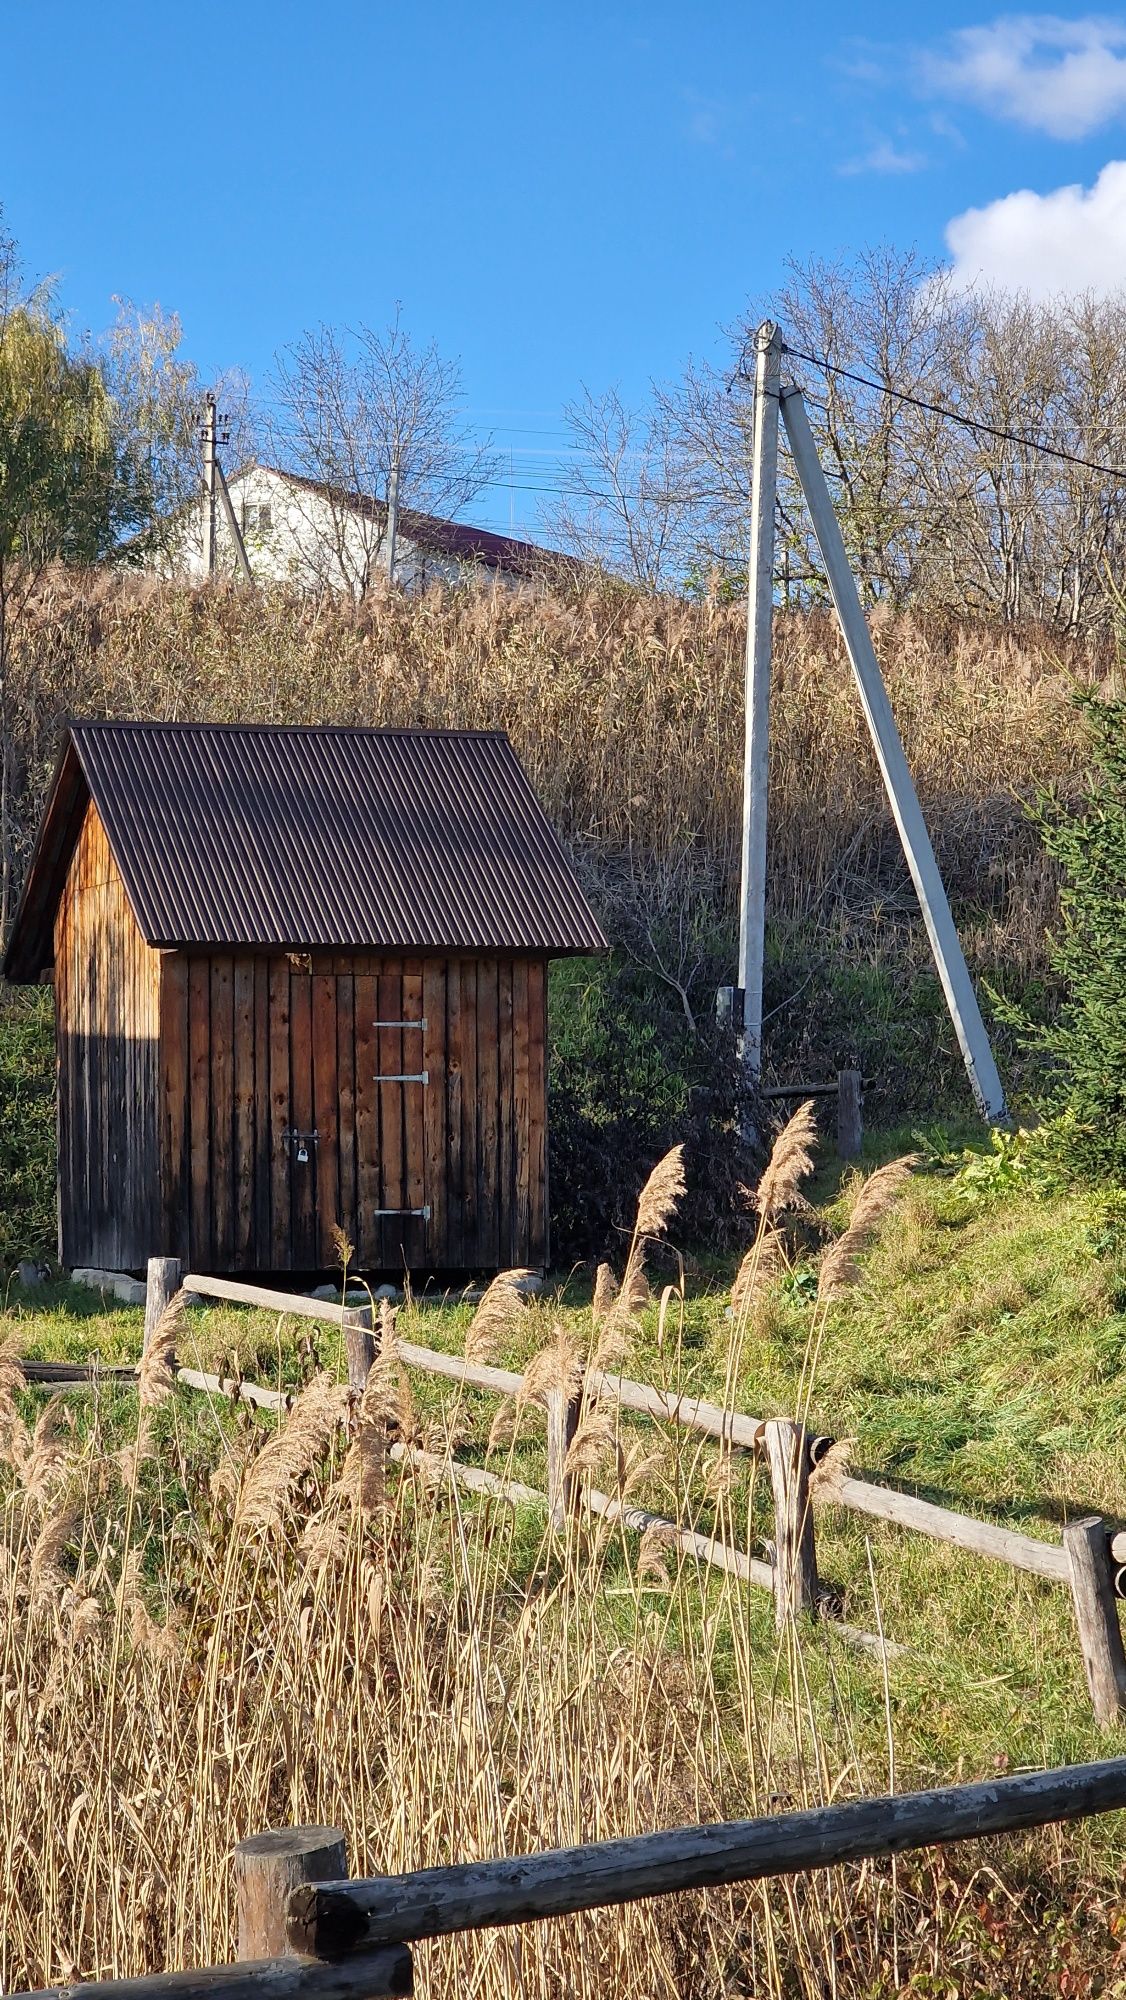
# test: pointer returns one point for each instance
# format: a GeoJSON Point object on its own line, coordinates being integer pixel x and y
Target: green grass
{"type": "Point", "coordinates": [980, 1362]}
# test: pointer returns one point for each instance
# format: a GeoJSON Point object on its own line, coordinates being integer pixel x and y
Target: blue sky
{"type": "Point", "coordinates": [558, 193]}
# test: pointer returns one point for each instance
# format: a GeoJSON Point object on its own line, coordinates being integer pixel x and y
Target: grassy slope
{"type": "Point", "coordinates": [979, 1362]}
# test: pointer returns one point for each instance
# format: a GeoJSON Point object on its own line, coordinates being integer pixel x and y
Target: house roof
{"type": "Point", "coordinates": [256, 837]}
{"type": "Point", "coordinates": [456, 539]}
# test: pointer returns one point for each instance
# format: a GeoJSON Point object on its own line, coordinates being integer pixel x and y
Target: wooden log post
{"type": "Point", "coordinates": [795, 1561]}
{"type": "Point", "coordinates": [1087, 1543]}
{"type": "Point", "coordinates": [850, 1127]}
{"type": "Point", "coordinates": [359, 1344]}
{"type": "Point", "coordinates": [563, 1412]}
{"type": "Point", "coordinates": [267, 1867]}
{"type": "Point", "coordinates": [161, 1288]}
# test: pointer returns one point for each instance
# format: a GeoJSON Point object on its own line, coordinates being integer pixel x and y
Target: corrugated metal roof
{"type": "Point", "coordinates": [253, 836]}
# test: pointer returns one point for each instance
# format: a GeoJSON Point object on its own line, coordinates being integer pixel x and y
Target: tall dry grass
{"type": "Point", "coordinates": [628, 714]}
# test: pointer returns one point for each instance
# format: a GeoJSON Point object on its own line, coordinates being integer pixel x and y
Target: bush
{"type": "Point", "coordinates": [27, 1126]}
{"type": "Point", "coordinates": [628, 1079]}
{"type": "Point", "coordinates": [1085, 1045]}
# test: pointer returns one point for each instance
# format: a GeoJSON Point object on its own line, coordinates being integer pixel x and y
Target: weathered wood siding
{"type": "Point", "coordinates": [317, 1048]}
{"type": "Point", "coordinates": [106, 1010]}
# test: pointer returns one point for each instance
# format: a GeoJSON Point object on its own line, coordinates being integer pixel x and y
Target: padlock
{"type": "Point", "coordinates": [302, 1153]}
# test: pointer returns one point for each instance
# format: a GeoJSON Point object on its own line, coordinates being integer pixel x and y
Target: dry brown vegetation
{"type": "Point", "coordinates": [627, 712]}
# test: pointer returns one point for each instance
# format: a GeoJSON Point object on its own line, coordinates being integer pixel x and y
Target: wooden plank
{"type": "Point", "coordinates": [434, 1109]}
{"type": "Point", "coordinates": [537, 1115]}
{"type": "Point", "coordinates": [244, 1087]}
{"type": "Point", "coordinates": [392, 1062]}
{"type": "Point", "coordinates": [522, 1245]}
{"type": "Point", "coordinates": [263, 1118]}
{"type": "Point", "coordinates": [414, 1116]}
{"type": "Point", "coordinates": [174, 1161]}
{"type": "Point", "coordinates": [281, 1198]}
{"type": "Point", "coordinates": [222, 1112]}
{"type": "Point", "coordinates": [346, 1102]}
{"type": "Point", "coordinates": [369, 1233]}
{"type": "Point", "coordinates": [471, 1246]}
{"type": "Point", "coordinates": [326, 1114]}
{"type": "Point", "coordinates": [438, 1902]}
{"type": "Point", "coordinates": [199, 1059]}
{"type": "Point", "coordinates": [944, 1525]}
{"type": "Point", "coordinates": [488, 1116]}
{"type": "Point", "coordinates": [506, 1119]}
{"type": "Point", "coordinates": [238, 1292]}
{"type": "Point", "coordinates": [303, 1173]}
{"type": "Point", "coordinates": [1087, 1546]}
{"type": "Point", "coordinates": [371, 1975]}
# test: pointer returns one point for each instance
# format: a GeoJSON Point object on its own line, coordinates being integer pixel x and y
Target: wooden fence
{"type": "Point", "coordinates": [306, 1931]}
{"type": "Point", "coordinates": [1089, 1560]}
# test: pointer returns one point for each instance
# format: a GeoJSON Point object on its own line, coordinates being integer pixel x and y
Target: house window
{"type": "Point", "coordinates": [257, 519]}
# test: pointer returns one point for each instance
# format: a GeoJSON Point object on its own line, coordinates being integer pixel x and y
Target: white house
{"type": "Point", "coordinates": [319, 537]}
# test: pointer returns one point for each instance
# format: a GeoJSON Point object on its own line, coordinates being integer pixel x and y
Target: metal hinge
{"type": "Point", "coordinates": [405, 1076]}
{"type": "Point", "coordinates": [423, 1212]}
{"type": "Point", "coordinates": [401, 1024]}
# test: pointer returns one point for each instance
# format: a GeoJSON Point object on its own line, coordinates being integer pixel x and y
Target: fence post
{"type": "Point", "coordinates": [850, 1127]}
{"type": "Point", "coordinates": [1096, 1613]}
{"type": "Point", "coordinates": [795, 1561]}
{"type": "Point", "coordinates": [359, 1344]}
{"type": "Point", "coordinates": [563, 1412]}
{"type": "Point", "coordinates": [267, 1867]}
{"type": "Point", "coordinates": [162, 1285]}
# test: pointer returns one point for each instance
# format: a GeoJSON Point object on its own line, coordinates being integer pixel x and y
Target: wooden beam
{"type": "Point", "coordinates": [385, 1974]}
{"type": "Point", "coordinates": [345, 1916]}
{"type": "Point", "coordinates": [962, 1530]}
{"type": "Point", "coordinates": [850, 1124]}
{"type": "Point", "coordinates": [161, 1288]}
{"type": "Point", "coordinates": [795, 1564]}
{"type": "Point", "coordinates": [268, 1867]}
{"type": "Point", "coordinates": [1087, 1546]}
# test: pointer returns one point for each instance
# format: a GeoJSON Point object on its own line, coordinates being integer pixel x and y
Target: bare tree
{"type": "Point", "coordinates": [354, 412]}
{"type": "Point", "coordinates": [630, 491]}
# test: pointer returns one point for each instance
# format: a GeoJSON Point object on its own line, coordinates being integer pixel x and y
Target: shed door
{"type": "Point", "coordinates": [391, 1085]}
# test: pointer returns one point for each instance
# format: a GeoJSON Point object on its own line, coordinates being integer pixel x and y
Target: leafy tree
{"type": "Point", "coordinates": [1086, 1044]}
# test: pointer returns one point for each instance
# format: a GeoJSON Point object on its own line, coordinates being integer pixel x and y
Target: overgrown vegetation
{"type": "Point", "coordinates": [27, 1127]}
{"type": "Point", "coordinates": [206, 1632]}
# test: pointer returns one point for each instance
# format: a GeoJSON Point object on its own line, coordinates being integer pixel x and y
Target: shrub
{"type": "Point", "coordinates": [1085, 1045]}
{"type": "Point", "coordinates": [27, 1126]}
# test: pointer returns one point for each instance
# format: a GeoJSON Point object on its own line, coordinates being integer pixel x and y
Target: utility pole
{"type": "Point", "coordinates": [895, 771]}
{"type": "Point", "coordinates": [391, 531]}
{"type": "Point", "coordinates": [209, 438]}
{"type": "Point", "coordinates": [756, 741]}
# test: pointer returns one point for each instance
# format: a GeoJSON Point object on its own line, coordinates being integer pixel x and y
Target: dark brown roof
{"type": "Point", "coordinates": [252, 836]}
{"type": "Point", "coordinates": [456, 539]}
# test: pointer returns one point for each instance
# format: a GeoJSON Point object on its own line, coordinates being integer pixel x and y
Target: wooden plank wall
{"type": "Point", "coordinates": [106, 1010]}
{"type": "Point", "coordinates": [255, 1047]}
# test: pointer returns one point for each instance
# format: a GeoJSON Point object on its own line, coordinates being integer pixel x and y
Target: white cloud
{"type": "Point", "coordinates": [885, 158]}
{"type": "Point", "coordinates": [1057, 76]}
{"type": "Point", "coordinates": [1071, 240]}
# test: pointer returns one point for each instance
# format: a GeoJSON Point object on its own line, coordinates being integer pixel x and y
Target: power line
{"type": "Point", "coordinates": [955, 416]}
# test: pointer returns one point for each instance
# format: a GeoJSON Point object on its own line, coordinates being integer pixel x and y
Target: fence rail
{"type": "Point", "coordinates": [1090, 1560]}
{"type": "Point", "coordinates": [351, 1939]}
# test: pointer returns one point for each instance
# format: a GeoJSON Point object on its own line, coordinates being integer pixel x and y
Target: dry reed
{"type": "Point", "coordinates": [880, 1192]}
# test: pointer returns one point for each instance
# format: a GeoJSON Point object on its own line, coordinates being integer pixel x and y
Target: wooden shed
{"type": "Point", "coordinates": [300, 982]}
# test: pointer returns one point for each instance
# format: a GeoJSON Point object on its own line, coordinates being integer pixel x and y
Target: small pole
{"type": "Point", "coordinates": [359, 1345]}
{"type": "Point", "coordinates": [232, 523]}
{"type": "Point", "coordinates": [795, 1560]}
{"type": "Point", "coordinates": [1096, 1613]}
{"type": "Point", "coordinates": [756, 740]}
{"type": "Point", "coordinates": [162, 1285]}
{"type": "Point", "coordinates": [563, 1412]}
{"type": "Point", "coordinates": [391, 532]}
{"type": "Point", "coordinates": [850, 1129]}
{"type": "Point", "coordinates": [268, 1866]}
{"type": "Point", "coordinates": [895, 770]}
{"type": "Point", "coordinates": [208, 435]}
